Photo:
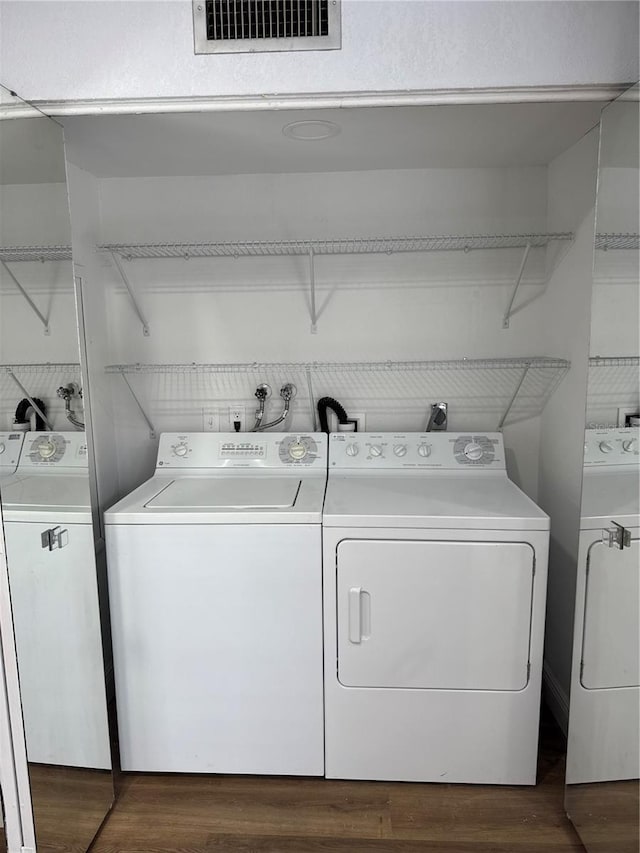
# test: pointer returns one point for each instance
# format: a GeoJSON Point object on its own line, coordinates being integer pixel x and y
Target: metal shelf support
{"type": "Point", "coordinates": [134, 301]}
{"type": "Point", "coordinates": [312, 292]}
{"type": "Point", "coordinates": [514, 397]}
{"type": "Point", "coordinates": [152, 429]}
{"type": "Point", "coordinates": [32, 402]}
{"type": "Point", "coordinates": [523, 262]}
{"type": "Point", "coordinates": [30, 302]}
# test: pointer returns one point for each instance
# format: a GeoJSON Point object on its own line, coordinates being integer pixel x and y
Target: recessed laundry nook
{"type": "Point", "coordinates": [319, 467]}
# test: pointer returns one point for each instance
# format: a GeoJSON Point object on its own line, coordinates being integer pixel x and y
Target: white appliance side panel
{"type": "Point", "coordinates": [217, 637]}
{"type": "Point", "coordinates": [441, 615]}
{"type": "Point", "coordinates": [54, 598]}
{"type": "Point", "coordinates": [610, 650]}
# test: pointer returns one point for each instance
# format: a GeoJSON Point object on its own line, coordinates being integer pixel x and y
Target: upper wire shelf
{"type": "Point", "coordinates": [617, 241]}
{"type": "Point", "coordinates": [45, 367]}
{"type": "Point", "coordinates": [35, 253]}
{"type": "Point", "coordinates": [381, 245]}
{"type": "Point", "coordinates": [615, 361]}
{"type": "Point", "coordinates": [332, 366]}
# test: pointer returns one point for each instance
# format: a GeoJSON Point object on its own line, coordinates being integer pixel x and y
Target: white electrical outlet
{"type": "Point", "coordinates": [210, 421]}
{"type": "Point", "coordinates": [236, 416]}
{"type": "Point", "coordinates": [334, 426]}
{"type": "Point", "coordinates": [624, 413]}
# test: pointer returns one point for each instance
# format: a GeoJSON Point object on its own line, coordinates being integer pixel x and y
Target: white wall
{"type": "Point", "coordinates": [567, 307]}
{"type": "Point", "coordinates": [70, 50]}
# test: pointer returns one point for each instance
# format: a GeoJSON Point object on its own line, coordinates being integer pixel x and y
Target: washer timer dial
{"type": "Point", "coordinates": [298, 449]}
{"type": "Point", "coordinates": [47, 448]}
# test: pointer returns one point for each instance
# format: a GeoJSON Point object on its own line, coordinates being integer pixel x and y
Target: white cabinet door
{"type": "Point", "coordinates": [610, 648]}
{"type": "Point", "coordinates": [54, 598]}
{"type": "Point", "coordinates": [441, 615]}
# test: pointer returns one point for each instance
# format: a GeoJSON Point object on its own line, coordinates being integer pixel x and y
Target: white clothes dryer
{"type": "Point", "coordinates": [435, 568]}
{"type": "Point", "coordinates": [604, 710]}
{"type": "Point", "coordinates": [52, 579]}
{"type": "Point", "coordinates": [215, 584]}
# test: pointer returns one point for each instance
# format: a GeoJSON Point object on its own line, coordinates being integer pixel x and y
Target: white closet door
{"type": "Point", "coordinates": [430, 614]}
{"type": "Point", "coordinates": [610, 650]}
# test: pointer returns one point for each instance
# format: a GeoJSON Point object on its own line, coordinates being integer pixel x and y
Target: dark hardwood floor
{"type": "Point", "coordinates": [224, 814]}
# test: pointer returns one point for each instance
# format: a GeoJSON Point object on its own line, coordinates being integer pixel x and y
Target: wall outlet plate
{"type": "Point", "coordinates": [236, 416]}
{"type": "Point", "coordinates": [358, 417]}
{"type": "Point", "coordinates": [626, 412]}
{"type": "Point", "coordinates": [210, 421]}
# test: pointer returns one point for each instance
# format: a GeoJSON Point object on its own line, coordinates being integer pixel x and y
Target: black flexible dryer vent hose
{"type": "Point", "coordinates": [22, 409]}
{"type": "Point", "coordinates": [329, 403]}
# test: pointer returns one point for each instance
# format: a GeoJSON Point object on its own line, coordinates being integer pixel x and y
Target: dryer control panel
{"type": "Point", "coordinates": [614, 446]}
{"type": "Point", "coordinates": [10, 447]}
{"type": "Point", "coordinates": [406, 451]}
{"type": "Point", "coordinates": [203, 451]}
{"type": "Point", "coordinates": [54, 450]}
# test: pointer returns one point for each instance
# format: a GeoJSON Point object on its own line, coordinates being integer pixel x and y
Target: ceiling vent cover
{"type": "Point", "coordinates": [254, 26]}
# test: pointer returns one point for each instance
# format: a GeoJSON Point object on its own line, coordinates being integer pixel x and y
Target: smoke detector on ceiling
{"type": "Point", "coordinates": [256, 26]}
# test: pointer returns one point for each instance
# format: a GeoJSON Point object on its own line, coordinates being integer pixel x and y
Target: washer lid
{"type": "Point", "coordinates": [222, 493]}
{"type": "Point", "coordinates": [474, 502]}
{"type": "Point", "coordinates": [58, 493]}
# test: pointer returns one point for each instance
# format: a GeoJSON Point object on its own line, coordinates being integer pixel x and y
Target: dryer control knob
{"type": "Point", "coordinates": [375, 450]}
{"type": "Point", "coordinates": [181, 449]}
{"type": "Point", "coordinates": [605, 446]}
{"type": "Point", "coordinates": [400, 449]}
{"type": "Point", "coordinates": [474, 451]}
{"type": "Point", "coordinates": [46, 449]}
{"type": "Point", "coordinates": [629, 446]}
{"type": "Point", "coordinates": [2, 447]}
{"type": "Point", "coordinates": [297, 450]}
{"type": "Point", "coordinates": [352, 449]}
{"type": "Point", "coordinates": [424, 450]}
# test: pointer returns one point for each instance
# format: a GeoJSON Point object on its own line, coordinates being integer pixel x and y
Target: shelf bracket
{"type": "Point", "coordinates": [134, 301]}
{"type": "Point", "coordinates": [152, 429]}
{"type": "Point", "coordinates": [30, 302]}
{"type": "Point", "coordinates": [32, 402]}
{"type": "Point", "coordinates": [312, 404]}
{"type": "Point", "coordinates": [513, 398]}
{"type": "Point", "coordinates": [507, 313]}
{"type": "Point", "coordinates": [312, 292]}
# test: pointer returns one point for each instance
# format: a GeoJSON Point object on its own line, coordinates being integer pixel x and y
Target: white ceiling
{"type": "Point", "coordinates": [222, 143]}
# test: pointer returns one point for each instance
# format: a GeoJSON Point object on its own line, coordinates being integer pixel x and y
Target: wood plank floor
{"type": "Point", "coordinates": [222, 814]}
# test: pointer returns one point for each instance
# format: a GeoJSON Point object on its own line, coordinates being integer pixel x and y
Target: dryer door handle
{"type": "Point", "coordinates": [355, 614]}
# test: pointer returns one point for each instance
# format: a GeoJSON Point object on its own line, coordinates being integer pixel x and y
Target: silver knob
{"type": "Point", "coordinates": [375, 450]}
{"type": "Point", "coordinates": [2, 447]}
{"type": "Point", "coordinates": [424, 450]}
{"type": "Point", "coordinates": [297, 450]}
{"type": "Point", "coordinates": [181, 449]}
{"type": "Point", "coordinates": [630, 445]}
{"type": "Point", "coordinates": [400, 449]}
{"type": "Point", "coordinates": [605, 446]}
{"type": "Point", "coordinates": [46, 450]}
{"type": "Point", "coordinates": [473, 451]}
{"type": "Point", "coordinates": [352, 449]}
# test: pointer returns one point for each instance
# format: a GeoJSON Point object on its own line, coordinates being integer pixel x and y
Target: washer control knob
{"type": "Point", "coordinates": [375, 450]}
{"type": "Point", "coordinates": [424, 450]}
{"type": "Point", "coordinates": [2, 447]}
{"type": "Point", "coordinates": [297, 450]}
{"type": "Point", "coordinates": [474, 451]}
{"type": "Point", "coordinates": [352, 449]}
{"type": "Point", "coordinates": [46, 449]}
{"type": "Point", "coordinates": [629, 446]}
{"type": "Point", "coordinates": [400, 449]}
{"type": "Point", "coordinates": [605, 446]}
{"type": "Point", "coordinates": [181, 449]}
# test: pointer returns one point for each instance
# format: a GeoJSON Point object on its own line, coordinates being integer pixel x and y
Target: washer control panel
{"type": "Point", "coordinates": [614, 446]}
{"type": "Point", "coordinates": [204, 451]}
{"type": "Point", "coordinates": [10, 447]}
{"type": "Point", "coordinates": [404, 451]}
{"type": "Point", "coordinates": [54, 450]}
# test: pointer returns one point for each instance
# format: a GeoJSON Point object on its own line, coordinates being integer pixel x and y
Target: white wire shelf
{"type": "Point", "coordinates": [615, 361]}
{"type": "Point", "coordinates": [45, 367]}
{"type": "Point", "coordinates": [607, 242]}
{"type": "Point", "coordinates": [346, 367]}
{"type": "Point", "coordinates": [10, 254]}
{"type": "Point", "coordinates": [345, 246]}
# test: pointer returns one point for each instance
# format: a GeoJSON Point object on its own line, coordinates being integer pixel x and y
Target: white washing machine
{"type": "Point", "coordinates": [10, 447]}
{"type": "Point", "coordinates": [52, 578]}
{"type": "Point", "coordinates": [435, 568]}
{"type": "Point", "coordinates": [604, 712]}
{"type": "Point", "coordinates": [215, 583]}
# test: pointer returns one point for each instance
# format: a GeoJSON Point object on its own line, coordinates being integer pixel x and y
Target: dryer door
{"type": "Point", "coordinates": [610, 653]}
{"type": "Point", "coordinates": [433, 614]}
